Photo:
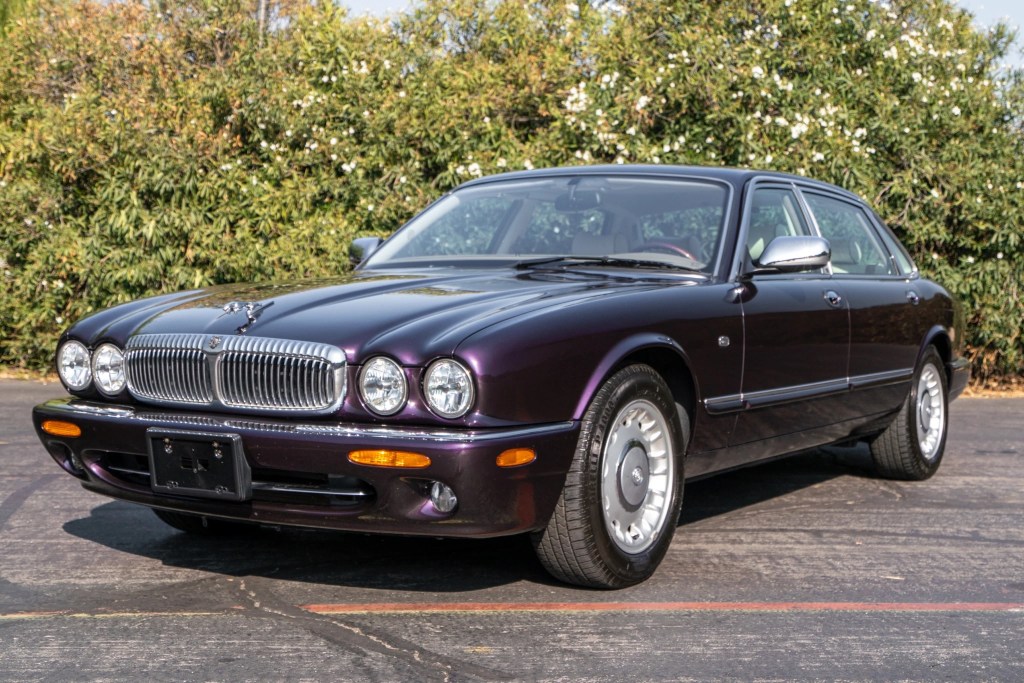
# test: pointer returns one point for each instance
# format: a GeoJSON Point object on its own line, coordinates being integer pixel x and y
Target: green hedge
{"type": "Point", "coordinates": [152, 149]}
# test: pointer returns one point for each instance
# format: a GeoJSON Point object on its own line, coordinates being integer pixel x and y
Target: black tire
{"type": "Point", "coordinates": [910, 449]}
{"type": "Point", "coordinates": [585, 542]}
{"type": "Point", "coordinates": [199, 525]}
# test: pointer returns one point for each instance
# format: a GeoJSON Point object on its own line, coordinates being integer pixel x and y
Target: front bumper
{"type": "Point", "coordinates": [301, 475]}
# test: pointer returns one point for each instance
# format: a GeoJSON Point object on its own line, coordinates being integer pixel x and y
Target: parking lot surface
{"type": "Point", "coordinates": [808, 568]}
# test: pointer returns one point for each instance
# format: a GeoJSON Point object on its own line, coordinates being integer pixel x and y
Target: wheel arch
{"type": "Point", "coordinates": [939, 337]}
{"type": "Point", "coordinates": [663, 354]}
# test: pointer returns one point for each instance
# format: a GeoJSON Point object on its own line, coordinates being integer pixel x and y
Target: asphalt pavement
{"type": "Point", "coordinates": [803, 569]}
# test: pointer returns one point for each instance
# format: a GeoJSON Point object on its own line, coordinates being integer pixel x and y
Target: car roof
{"type": "Point", "coordinates": [737, 177]}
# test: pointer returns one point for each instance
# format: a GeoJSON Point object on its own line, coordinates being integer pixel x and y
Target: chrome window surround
{"type": "Point", "coordinates": [236, 374]}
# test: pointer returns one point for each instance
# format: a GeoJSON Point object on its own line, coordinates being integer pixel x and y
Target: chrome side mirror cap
{"type": "Point", "coordinates": [361, 248]}
{"type": "Point", "coordinates": [794, 254]}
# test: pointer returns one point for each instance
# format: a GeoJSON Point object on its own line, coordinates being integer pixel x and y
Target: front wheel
{"type": "Point", "coordinates": [620, 503]}
{"type": "Point", "coordinates": [913, 444]}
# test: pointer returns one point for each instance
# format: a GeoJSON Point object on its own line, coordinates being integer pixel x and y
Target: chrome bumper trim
{"type": "Point", "coordinates": [70, 407]}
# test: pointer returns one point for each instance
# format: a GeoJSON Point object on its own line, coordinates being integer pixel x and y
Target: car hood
{"type": "Point", "coordinates": [410, 315]}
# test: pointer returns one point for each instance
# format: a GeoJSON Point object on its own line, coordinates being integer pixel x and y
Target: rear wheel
{"type": "Point", "coordinates": [913, 445]}
{"type": "Point", "coordinates": [199, 525]}
{"type": "Point", "coordinates": [620, 503]}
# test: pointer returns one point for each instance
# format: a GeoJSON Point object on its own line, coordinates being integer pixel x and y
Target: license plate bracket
{"type": "Point", "coordinates": [200, 464]}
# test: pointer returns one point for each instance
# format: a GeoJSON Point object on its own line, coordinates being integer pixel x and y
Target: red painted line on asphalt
{"type": "Point", "coordinates": [403, 607]}
{"type": "Point", "coordinates": [498, 608]}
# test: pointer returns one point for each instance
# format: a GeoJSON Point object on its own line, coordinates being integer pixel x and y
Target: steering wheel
{"type": "Point", "coordinates": [667, 247]}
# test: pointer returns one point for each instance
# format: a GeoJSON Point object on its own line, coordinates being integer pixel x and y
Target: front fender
{"type": "Point", "coordinates": [618, 356]}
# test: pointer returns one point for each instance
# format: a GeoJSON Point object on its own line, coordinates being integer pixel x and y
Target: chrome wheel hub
{"type": "Point", "coordinates": [931, 412]}
{"type": "Point", "coordinates": [637, 476]}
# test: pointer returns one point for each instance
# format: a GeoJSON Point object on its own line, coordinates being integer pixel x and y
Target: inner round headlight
{"type": "Point", "coordinates": [108, 369]}
{"type": "Point", "coordinates": [73, 365]}
{"type": "Point", "coordinates": [382, 386]}
{"type": "Point", "coordinates": [449, 388]}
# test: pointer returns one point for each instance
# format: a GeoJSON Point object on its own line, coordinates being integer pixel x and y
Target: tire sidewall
{"type": "Point", "coordinates": [928, 467]}
{"type": "Point", "coordinates": [635, 382]}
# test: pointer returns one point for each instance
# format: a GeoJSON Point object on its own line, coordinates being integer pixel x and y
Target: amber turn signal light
{"type": "Point", "coordinates": [514, 457]}
{"type": "Point", "coordinates": [384, 458]}
{"type": "Point", "coordinates": [59, 428]}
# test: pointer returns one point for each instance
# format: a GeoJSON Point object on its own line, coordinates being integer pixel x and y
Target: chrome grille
{"type": "Point", "coordinates": [241, 374]}
{"type": "Point", "coordinates": [170, 368]}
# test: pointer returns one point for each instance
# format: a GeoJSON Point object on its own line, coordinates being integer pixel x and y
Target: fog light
{"type": "Point", "coordinates": [442, 497]}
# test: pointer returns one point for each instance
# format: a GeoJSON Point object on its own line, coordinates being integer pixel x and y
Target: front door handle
{"type": "Point", "coordinates": [913, 297]}
{"type": "Point", "coordinates": [833, 299]}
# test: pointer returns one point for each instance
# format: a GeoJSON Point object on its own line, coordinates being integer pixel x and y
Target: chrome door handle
{"type": "Point", "coordinates": [833, 298]}
{"type": "Point", "coordinates": [913, 297]}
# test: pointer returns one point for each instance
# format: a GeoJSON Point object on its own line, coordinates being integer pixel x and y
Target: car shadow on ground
{"type": "Point", "coordinates": [422, 564]}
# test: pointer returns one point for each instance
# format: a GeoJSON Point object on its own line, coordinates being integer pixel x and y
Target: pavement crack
{"type": "Point", "coordinates": [14, 501]}
{"type": "Point", "coordinates": [428, 665]}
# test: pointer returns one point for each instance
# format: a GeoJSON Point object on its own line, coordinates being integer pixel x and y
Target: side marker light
{"type": "Point", "coordinates": [514, 457]}
{"type": "Point", "coordinates": [59, 428]}
{"type": "Point", "coordinates": [385, 458]}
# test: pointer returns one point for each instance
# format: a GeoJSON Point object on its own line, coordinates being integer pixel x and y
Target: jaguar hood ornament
{"type": "Point", "coordinates": [252, 309]}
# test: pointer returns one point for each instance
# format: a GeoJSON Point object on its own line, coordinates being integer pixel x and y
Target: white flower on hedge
{"type": "Point", "coordinates": [955, 110]}
{"type": "Point", "coordinates": [999, 255]}
{"type": "Point", "coordinates": [935, 193]}
{"type": "Point", "coordinates": [528, 165]}
{"type": "Point", "coordinates": [757, 72]}
{"type": "Point", "coordinates": [577, 100]}
{"type": "Point", "coordinates": [818, 156]}
{"type": "Point", "coordinates": [501, 163]}
{"type": "Point", "coordinates": [891, 53]}
{"type": "Point", "coordinates": [642, 102]}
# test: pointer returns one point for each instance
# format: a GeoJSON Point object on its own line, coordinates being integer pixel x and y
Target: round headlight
{"type": "Point", "coordinates": [73, 365]}
{"type": "Point", "coordinates": [382, 386]}
{"type": "Point", "coordinates": [108, 369]}
{"type": "Point", "coordinates": [449, 388]}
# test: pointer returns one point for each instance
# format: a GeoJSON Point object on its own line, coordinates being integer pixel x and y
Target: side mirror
{"type": "Point", "coordinates": [361, 248]}
{"type": "Point", "coordinates": [794, 254]}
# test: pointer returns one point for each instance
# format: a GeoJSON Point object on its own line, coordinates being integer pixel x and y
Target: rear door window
{"type": "Point", "coordinates": [856, 247]}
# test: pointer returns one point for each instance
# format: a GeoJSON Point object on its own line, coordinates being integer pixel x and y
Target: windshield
{"type": "Point", "coordinates": [643, 220]}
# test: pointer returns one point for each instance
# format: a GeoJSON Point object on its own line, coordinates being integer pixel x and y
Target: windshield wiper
{"type": "Point", "coordinates": [600, 261]}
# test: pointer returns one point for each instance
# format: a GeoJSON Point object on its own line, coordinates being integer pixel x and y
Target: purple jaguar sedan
{"type": "Point", "coordinates": [548, 352]}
